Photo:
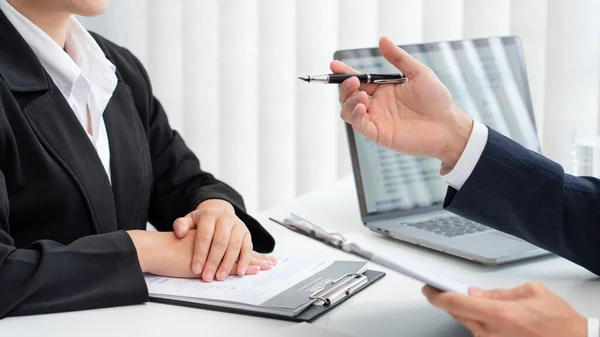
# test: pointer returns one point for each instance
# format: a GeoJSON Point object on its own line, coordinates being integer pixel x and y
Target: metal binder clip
{"type": "Point", "coordinates": [342, 287]}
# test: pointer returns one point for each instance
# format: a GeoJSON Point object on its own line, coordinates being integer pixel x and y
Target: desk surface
{"type": "Point", "coordinates": [392, 307]}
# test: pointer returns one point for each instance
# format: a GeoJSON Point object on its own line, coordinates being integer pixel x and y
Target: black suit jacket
{"type": "Point", "coordinates": [62, 240]}
{"type": "Point", "coordinates": [522, 193]}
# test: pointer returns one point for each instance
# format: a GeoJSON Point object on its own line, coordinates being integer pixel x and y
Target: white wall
{"type": "Point", "coordinates": [572, 68]}
{"type": "Point", "coordinates": [273, 137]}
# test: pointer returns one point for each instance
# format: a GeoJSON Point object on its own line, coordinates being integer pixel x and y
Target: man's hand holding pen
{"type": "Point", "coordinates": [417, 118]}
{"type": "Point", "coordinates": [411, 112]}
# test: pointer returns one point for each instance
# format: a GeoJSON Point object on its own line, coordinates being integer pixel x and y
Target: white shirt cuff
{"type": "Point", "coordinates": [469, 158]}
{"type": "Point", "coordinates": [593, 327]}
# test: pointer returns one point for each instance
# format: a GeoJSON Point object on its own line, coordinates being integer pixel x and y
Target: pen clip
{"type": "Point", "coordinates": [307, 228]}
{"type": "Point", "coordinates": [295, 218]}
{"type": "Point", "coordinates": [339, 290]}
{"type": "Point", "coordinates": [291, 225]}
{"type": "Point", "coordinates": [394, 81]}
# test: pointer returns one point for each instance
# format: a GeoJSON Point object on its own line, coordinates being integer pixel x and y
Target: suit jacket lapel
{"type": "Point", "coordinates": [58, 129]}
{"type": "Point", "coordinates": [129, 163]}
{"type": "Point", "coordinates": [55, 124]}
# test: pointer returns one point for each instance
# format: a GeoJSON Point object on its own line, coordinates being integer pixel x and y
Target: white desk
{"type": "Point", "coordinates": [392, 307]}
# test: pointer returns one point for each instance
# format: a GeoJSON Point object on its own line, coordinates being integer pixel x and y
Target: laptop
{"type": "Point", "coordinates": [402, 196]}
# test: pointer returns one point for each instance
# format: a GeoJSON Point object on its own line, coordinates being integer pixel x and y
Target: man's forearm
{"type": "Point", "coordinates": [458, 137]}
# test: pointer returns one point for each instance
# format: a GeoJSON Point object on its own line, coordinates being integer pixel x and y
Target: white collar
{"type": "Point", "coordinates": [86, 53]}
{"type": "Point", "coordinates": [60, 66]}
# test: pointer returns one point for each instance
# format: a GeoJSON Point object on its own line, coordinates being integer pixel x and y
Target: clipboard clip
{"type": "Point", "coordinates": [340, 288]}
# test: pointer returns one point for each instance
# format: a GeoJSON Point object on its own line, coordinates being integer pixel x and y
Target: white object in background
{"type": "Point", "coordinates": [586, 156]}
{"type": "Point", "coordinates": [166, 58]}
{"type": "Point", "coordinates": [401, 31]}
{"type": "Point", "coordinates": [201, 98]}
{"type": "Point", "coordinates": [238, 92]}
{"type": "Point", "coordinates": [277, 89]}
{"type": "Point", "coordinates": [443, 20]}
{"type": "Point", "coordinates": [486, 18]}
{"type": "Point", "coordinates": [572, 52]}
{"type": "Point", "coordinates": [317, 107]}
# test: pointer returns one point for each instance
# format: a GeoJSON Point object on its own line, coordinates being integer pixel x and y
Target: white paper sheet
{"type": "Point", "coordinates": [250, 289]}
{"type": "Point", "coordinates": [425, 274]}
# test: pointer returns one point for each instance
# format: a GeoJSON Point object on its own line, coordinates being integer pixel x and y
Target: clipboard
{"type": "Point", "coordinates": [338, 241]}
{"type": "Point", "coordinates": [324, 300]}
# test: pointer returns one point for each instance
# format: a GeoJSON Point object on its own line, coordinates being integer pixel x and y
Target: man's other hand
{"type": "Point", "coordinates": [530, 310]}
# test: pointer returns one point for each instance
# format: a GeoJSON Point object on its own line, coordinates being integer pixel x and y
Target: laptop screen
{"type": "Point", "coordinates": [487, 79]}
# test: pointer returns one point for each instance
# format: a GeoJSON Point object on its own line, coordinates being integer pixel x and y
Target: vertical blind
{"type": "Point", "coordinates": [225, 71]}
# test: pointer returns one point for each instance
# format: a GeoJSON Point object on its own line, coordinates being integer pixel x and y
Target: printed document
{"type": "Point", "coordinates": [285, 289]}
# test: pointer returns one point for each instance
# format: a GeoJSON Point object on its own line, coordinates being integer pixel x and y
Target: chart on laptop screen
{"type": "Point", "coordinates": [486, 79]}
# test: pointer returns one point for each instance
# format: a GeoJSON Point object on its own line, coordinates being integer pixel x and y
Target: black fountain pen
{"type": "Point", "coordinates": [363, 78]}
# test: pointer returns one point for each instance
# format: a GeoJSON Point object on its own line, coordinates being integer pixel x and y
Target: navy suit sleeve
{"type": "Point", "coordinates": [523, 193]}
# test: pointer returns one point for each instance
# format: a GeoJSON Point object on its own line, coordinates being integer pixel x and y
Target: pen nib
{"type": "Point", "coordinates": [305, 79]}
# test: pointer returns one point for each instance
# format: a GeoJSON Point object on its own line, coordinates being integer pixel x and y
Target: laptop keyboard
{"type": "Point", "coordinates": [450, 226]}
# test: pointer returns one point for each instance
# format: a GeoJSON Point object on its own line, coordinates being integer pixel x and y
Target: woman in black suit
{"type": "Point", "coordinates": [87, 158]}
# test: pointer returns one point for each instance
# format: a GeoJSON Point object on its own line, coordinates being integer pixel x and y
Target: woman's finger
{"type": "Point", "coordinates": [251, 270]}
{"type": "Point", "coordinates": [218, 247]}
{"type": "Point", "coordinates": [181, 226]}
{"type": "Point", "coordinates": [203, 240]}
{"type": "Point", "coordinates": [232, 253]}
{"type": "Point", "coordinates": [257, 255]}
{"type": "Point", "coordinates": [245, 255]}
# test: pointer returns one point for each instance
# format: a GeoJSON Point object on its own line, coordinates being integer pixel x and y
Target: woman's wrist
{"type": "Point", "coordinates": [141, 240]}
